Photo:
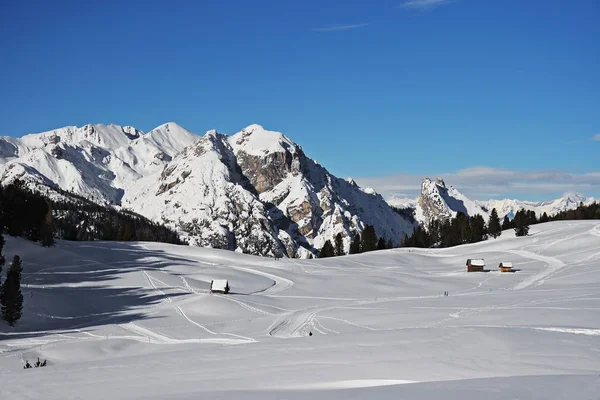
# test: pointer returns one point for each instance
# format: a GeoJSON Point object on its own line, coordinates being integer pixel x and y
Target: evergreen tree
{"type": "Point", "coordinates": [381, 244]}
{"type": "Point", "coordinates": [434, 232]}
{"type": "Point", "coordinates": [369, 239]}
{"type": "Point", "coordinates": [47, 230]}
{"type": "Point", "coordinates": [327, 250]}
{"type": "Point", "coordinates": [339, 245]}
{"type": "Point", "coordinates": [521, 223]}
{"type": "Point", "coordinates": [494, 227]}
{"type": "Point", "coordinates": [389, 244]}
{"type": "Point", "coordinates": [2, 260]}
{"type": "Point", "coordinates": [12, 298]}
{"type": "Point", "coordinates": [530, 217]}
{"type": "Point", "coordinates": [464, 227]}
{"type": "Point", "coordinates": [506, 223]}
{"type": "Point", "coordinates": [477, 229]}
{"type": "Point", "coordinates": [544, 217]}
{"type": "Point", "coordinates": [355, 245]}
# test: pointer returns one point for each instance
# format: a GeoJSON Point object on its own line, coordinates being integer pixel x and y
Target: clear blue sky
{"type": "Point", "coordinates": [368, 88]}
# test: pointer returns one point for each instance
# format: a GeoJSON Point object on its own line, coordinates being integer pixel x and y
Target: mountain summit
{"type": "Point", "coordinates": [254, 192]}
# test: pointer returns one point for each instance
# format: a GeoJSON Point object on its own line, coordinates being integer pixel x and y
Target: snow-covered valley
{"type": "Point", "coordinates": [137, 321]}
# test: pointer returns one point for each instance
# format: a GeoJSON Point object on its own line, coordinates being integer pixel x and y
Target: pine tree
{"type": "Point", "coordinates": [464, 227]}
{"type": "Point", "coordinates": [381, 245]}
{"type": "Point", "coordinates": [355, 245]}
{"type": "Point", "coordinates": [494, 227]}
{"type": "Point", "coordinates": [389, 244]}
{"type": "Point", "coordinates": [521, 222]}
{"type": "Point", "coordinates": [12, 298]}
{"type": "Point", "coordinates": [2, 261]}
{"type": "Point", "coordinates": [477, 229]}
{"type": "Point", "coordinates": [506, 223]}
{"type": "Point", "coordinates": [327, 250]}
{"type": "Point", "coordinates": [369, 239]}
{"type": "Point", "coordinates": [339, 245]}
{"type": "Point", "coordinates": [47, 230]}
{"type": "Point", "coordinates": [544, 217]}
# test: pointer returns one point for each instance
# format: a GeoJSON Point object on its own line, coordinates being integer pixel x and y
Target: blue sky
{"type": "Point", "coordinates": [392, 90]}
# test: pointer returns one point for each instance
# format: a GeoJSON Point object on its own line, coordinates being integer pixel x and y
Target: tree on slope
{"type": "Point", "coordinates": [389, 244]}
{"type": "Point", "coordinates": [478, 230]}
{"type": "Point", "coordinates": [369, 239]}
{"type": "Point", "coordinates": [521, 222]}
{"type": "Point", "coordinates": [494, 227]}
{"type": "Point", "coordinates": [2, 261]}
{"type": "Point", "coordinates": [327, 250]}
{"type": "Point", "coordinates": [355, 245]}
{"type": "Point", "coordinates": [506, 223]}
{"type": "Point", "coordinates": [339, 245]}
{"type": "Point", "coordinates": [381, 244]}
{"type": "Point", "coordinates": [12, 298]}
{"type": "Point", "coordinates": [47, 230]}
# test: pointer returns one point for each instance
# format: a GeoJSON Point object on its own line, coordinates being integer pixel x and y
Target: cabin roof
{"type": "Point", "coordinates": [476, 262]}
{"type": "Point", "coordinates": [219, 284]}
{"type": "Point", "coordinates": [507, 264]}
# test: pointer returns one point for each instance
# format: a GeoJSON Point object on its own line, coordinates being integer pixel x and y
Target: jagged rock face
{"type": "Point", "coordinates": [254, 192]}
{"type": "Point", "coordinates": [202, 193]}
{"type": "Point", "coordinates": [432, 201]}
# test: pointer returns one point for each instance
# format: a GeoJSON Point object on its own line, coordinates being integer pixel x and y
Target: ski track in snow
{"type": "Point", "coordinates": [553, 265]}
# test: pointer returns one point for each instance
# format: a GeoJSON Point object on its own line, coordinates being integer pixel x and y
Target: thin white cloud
{"type": "Point", "coordinates": [483, 183]}
{"type": "Point", "coordinates": [424, 4]}
{"type": "Point", "coordinates": [338, 28]}
{"type": "Point", "coordinates": [596, 137]}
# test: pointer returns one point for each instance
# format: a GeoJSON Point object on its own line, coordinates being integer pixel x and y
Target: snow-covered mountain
{"type": "Point", "coordinates": [568, 201]}
{"type": "Point", "coordinates": [254, 192]}
{"type": "Point", "coordinates": [438, 202]}
{"type": "Point", "coordinates": [96, 161]}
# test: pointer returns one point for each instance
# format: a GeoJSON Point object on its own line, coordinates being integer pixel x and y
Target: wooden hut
{"type": "Point", "coordinates": [219, 286]}
{"type": "Point", "coordinates": [475, 265]}
{"type": "Point", "coordinates": [506, 267]}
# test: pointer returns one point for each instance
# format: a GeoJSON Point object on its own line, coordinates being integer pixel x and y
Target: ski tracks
{"type": "Point", "coordinates": [553, 265]}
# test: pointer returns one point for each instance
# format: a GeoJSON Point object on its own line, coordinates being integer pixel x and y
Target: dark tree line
{"type": "Point", "coordinates": [11, 298]}
{"type": "Point", "coordinates": [463, 229]}
{"type": "Point", "coordinates": [38, 218]}
{"type": "Point", "coordinates": [591, 211]}
{"type": "Point", "coordinates": [361, 243]}
{"type": "Point", "coordinates": [452, 232]}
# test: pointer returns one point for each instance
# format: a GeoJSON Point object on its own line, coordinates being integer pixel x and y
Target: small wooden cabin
{"type": "Point", "coordinates": [506, 267]}
{"type": "Point", "coordinates": [475, 265]}
{"type": "Point", "coordinates": [219, 286]}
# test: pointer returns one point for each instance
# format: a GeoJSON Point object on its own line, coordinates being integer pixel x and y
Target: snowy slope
{"type": "Point", "coordinates": [135, 320]}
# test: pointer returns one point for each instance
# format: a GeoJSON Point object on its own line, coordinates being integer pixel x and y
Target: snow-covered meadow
{"type": "Point", "coordinates": [136, 321]}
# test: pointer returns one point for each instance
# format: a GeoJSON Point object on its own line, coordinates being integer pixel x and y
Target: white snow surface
{"type": "Point", "coordinates": [137, 321]}
{"type": "Point", "coordinates": [258, 141]}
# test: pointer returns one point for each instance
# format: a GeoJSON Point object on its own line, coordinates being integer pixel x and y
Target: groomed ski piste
{"type": "Point", "coordinates": [136, 321]}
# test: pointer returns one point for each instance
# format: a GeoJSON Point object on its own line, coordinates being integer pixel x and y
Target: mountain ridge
{"type": "Point", "coordinates": [438, 201]}
{"type": "Point", "coordinates": [254, 191]}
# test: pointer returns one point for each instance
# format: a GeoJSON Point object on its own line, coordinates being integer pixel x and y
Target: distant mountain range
{"type": "Point", "coordinates": [438, 201]}
{"type": "Point", "coordinates": [254, 192]}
